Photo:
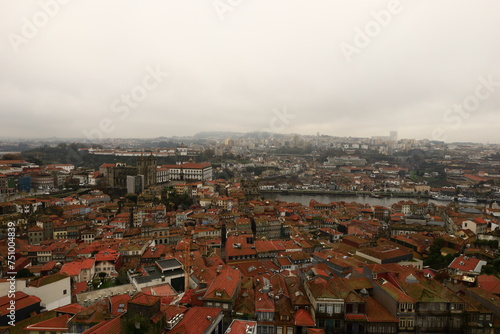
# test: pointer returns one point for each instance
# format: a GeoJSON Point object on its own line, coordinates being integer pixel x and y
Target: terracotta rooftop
{"type": "Point", "coordinates": [144, 299]}
{"type": "Point", "coordinates": [238, 326]}
{"type": "Point", "coordinates": [106, 327]}
{"type": "Point", "coordinates": [303, 318]}
{"type": "Point", "coordinates": [196, 320]}
{"type": "Point", "coordinates": [59, 324]}
{"type": "Point", "coordinates": [225, 284]}
{"type": "Point", "coordinates": [45, 280]}
{"type": "Point", "coordinates": [464, 263]}
{"type": "Point", "coordinates": [70, 309]}
{"type": "Point", "coordinates": [375, 312]}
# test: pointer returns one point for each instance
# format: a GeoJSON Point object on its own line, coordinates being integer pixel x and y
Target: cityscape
{"type": "Point", "coordinates": [249, 167]}
{"type": "Point", "coordinates": [251, 232]}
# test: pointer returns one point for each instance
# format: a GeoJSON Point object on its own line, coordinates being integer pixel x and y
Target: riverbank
{"type": "Point", "coordinates": [374, 194]}
{"type": "Point", "coordinates": [305, 198]}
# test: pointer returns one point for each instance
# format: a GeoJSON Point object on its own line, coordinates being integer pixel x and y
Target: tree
{"type": "Point", "coordinates": [436, 260]}
{"type": "Point", "coordinates": [11, 156]}
{"type": "Point", "coordinates": [122, 277]}
{"type": "Point", "coordinates": [132, 198]}
{"type": "Point", "coordinates": [137, 324]}
{"type": "Point", "coordinates": [25, 272]}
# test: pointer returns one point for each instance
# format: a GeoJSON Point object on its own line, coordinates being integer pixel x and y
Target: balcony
{"type": "Point", "coordinates": [433, 312]}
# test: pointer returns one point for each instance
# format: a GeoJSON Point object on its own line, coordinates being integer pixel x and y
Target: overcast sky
{"type": "Point", "coordinates": [330, 66]}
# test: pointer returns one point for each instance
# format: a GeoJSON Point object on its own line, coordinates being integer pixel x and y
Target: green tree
{"type": "Point", "coordinates": [122, 277]}
{"type": "Point", "coordinates": [132, 198]}
{"type": "Point", "coordinates": [25, 272]}
{"type": "Point", "coordinates": [136, 324]}
{"type": "Point", "coordinates": [436, 260]}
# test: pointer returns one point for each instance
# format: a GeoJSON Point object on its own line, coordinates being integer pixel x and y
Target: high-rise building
{"type": "Point", "coordinates": [394, 135]}
{"type": "Point", "coordinates": [135, 184]}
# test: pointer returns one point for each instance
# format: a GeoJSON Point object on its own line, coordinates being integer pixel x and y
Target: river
{"type": "Point", "coordinates": [384, 201]}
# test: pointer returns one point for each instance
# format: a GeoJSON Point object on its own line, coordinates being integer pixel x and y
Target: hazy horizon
{"type": "Point", "coordinates": [150, 69]}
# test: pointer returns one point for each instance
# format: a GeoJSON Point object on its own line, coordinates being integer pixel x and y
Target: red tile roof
{"type": "Point", "coordinates": [226, 283]}
{"type": "Point", "coordinates": [55, 324]}
{"type": "Point", "coordinates": [22, 300]}
{"type": "Point", "coordinates": [164, 290]}
{"type": "Point", "coordinates": [375, 312]}
{"type": "Point", "coordinates": [45, 280]}
{"type": "Point", "coordinates": [464, 263]}
{"type": "Point", "coordinates": [143, 299]}
{"type": "Point", "coordinates": [106, 327]}
{"type": "Point", "coordinates": [70, 309]}
{"type": "Point", "coordinates": [79, 288]}
{"type": "Point", "coordinates": [119, 303]}
{"type": "Point", "coordinates": [489, 283]}
{"type": "Point", "coordinates": [359, 317]}
{"type": "Point", "coordinates": [315, 331]}
{"type": "Point", "coordinates": [304, 318]}
{"type": "Point", "coordinates": [196, 320]}
{"type": "Point", "coordinates": [35, 228]}
{"type": "Point", "coordinates": [189, 165]}
{"type": "Point", "coordinates": [240, 326]}
{"type": "Point", "coordinates": [480, 221]}
{"type": "Point", "coordinates": [263, 303]}
{"type": "Point", "coordinates": [170, 311]}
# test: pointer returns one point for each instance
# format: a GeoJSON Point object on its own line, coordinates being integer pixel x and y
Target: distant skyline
{"type": "Point", "coordinates": [148, 69]}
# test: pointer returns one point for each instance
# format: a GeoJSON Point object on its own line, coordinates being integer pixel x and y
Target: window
{"type": "Point", "coordinates": [410, 322]}
{"type": "Point", "coordinates": [265, 329]}
{"type": "Point", "coordinates": [338, 308]}
{"type": "Point", "coordinates": [279, 330]}
{"type": "Point", "coordinates": [329, 308]}
{"type": "Point", "coordinates": [289, 330]}
{"type": "Point", "coordinates": [321, 308]}
{"type": "Point", "coordinates": [348, 308]}
{"type": "Point", "coordinates": [402, 323]}
{"type": "Point", "coordinates": [65, 291]}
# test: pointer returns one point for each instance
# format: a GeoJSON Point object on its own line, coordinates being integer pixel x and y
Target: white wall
{"type": "Point", "coordinates": [52, 295]}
